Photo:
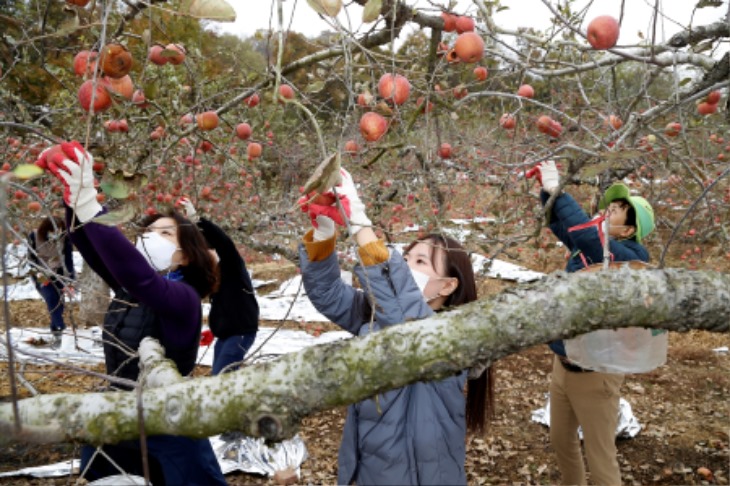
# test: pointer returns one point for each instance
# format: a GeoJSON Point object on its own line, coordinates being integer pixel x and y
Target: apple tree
{"type": "Point", "coordinates": [437, 109]}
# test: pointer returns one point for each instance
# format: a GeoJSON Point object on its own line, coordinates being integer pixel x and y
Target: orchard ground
{"type": "Point", "coordinates": [682, 406]}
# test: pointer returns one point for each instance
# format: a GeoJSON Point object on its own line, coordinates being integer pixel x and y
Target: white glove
{"type": "Point", "coordinates": [72, 165]}
{"type": "Point", "coordinates": [325, 228]}
{"type": "Point", "coordinates": [188, 208]}
{"type": "Point", "coordinates": [358, 218]}
{"type": "Point", "coordinates": [550, 177]}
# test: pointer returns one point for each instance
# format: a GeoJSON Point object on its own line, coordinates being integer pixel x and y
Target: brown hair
{"type": "Point", "coordinates": [201, 271]}
{"type": "Point", "coordinates": [457, 264]}
{"type": "Point", "coordinates": [49, 224]}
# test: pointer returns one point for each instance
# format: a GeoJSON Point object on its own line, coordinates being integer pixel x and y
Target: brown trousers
{"type": "Point", "coordinates": [590, 400]}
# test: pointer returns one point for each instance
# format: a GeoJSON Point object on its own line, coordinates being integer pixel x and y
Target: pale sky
{"type": "Point", "coordinates": [253, 15]}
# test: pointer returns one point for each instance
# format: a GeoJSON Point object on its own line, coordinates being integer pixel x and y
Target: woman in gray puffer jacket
{"type": "Point", "coordinates": [415, 434]}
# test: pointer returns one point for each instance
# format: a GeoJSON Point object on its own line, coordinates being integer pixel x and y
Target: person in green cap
{"type": "Point", "coordinates": [579, 396]}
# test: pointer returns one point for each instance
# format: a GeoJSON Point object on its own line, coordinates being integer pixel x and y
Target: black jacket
{"type": "Point", "coordinates": [233, 310]}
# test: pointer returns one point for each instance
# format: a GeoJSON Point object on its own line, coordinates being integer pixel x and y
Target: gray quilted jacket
{"type": "Point", "coordinates": [412, 435]}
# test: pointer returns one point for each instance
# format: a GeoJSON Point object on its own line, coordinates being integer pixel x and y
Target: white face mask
{"type": "Point", "coordinates": [156, 249]}
{"type": "Point", "coordinates": [421, 279]}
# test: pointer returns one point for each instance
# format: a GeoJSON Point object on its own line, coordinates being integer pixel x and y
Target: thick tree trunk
{"type": "Point", "coordinates": [95, 300]}
{"type": "Point", "coordinates": [270, 399]}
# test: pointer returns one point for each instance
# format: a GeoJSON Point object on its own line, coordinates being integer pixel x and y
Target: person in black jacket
{"type": "Point", "coordinates": [51, 258]}
{"type": "Point", "coordinates": [234, 311]}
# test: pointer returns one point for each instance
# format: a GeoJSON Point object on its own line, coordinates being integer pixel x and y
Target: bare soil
{"type": "Point", "coordinates": [682, 408]}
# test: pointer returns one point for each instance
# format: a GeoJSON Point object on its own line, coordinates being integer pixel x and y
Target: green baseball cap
{"type": "Point", "coordinates": [642, 208]}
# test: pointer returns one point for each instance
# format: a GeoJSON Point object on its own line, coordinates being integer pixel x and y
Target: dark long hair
{"type": "Point", "coordinates": [201, 271]}
{"type": "Point", "coordinates": [457, 264]}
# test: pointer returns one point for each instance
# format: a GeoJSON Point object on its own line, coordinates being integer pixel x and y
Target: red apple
{"type": "Point", "coordinates": [252, 101]}
{"type": "Point", "coordinates": [556, 128]}
{"type": "Point", "coordinates": [208, 120]}
{"type": "Point", "coordinates": [286, 92]}
{"type": "Point", "coordinates": [253, 150]}
{"type": "Point", "coordinates": [603, 32]}
{"type": "Point", "coordinates": [123, 86]}
{"type": "Point", "coordinates": [102, 100]}
{"type": "Point", "coordinates": [186, 119]}
{"type": "Point", "coordinates": [351, 147]}
{"type": "Point", "coordinates": [34, 206]}
{"type": "Point", "coordinates": [469, 47]}
{"type": "Point", "coordinates": [115, 61]}
{"type": "Point", "coordinates": [543, 123]}
{"type": "Point", "coordinates": [175, 54]}
{"type": "Point", "coordinates": [364, 99]}
{"type": "Point", "coordinates": [449, 21]}
{"type": "Point", "coordinates": [394, 88]}
{"type": "Point", "coordinates": [243, 131]}
{"type": "Point", "coordinates": [673, 129]}
{"type": "Point", "coordinates": [460, 91]}
{"type": "Point", "coordinates": [614, 122]}
{"type": "Point", "coordinates": [507, 121]}
{"type": "Point", "coordinates": [464, 24]}
{"type": "Point", "coordinates": [481, 73]}
{"type": "Point", "coordinates": [706, 108]}
{"type": "Point", "coordinates": [155, 55]}
{"type": "Point", "coordinates": [526, 91]}
{"type": "Point", "coordinates": [445, 151]}
{"type": "Point", "coordinates": [713, 97]}
{"type": "Point", "coordinates": [373, 126]}
{"type": "Point", "coordinates": [111, 126]}
{"type": "Point", "coordinates": [139, 99]}
{"type": "Point", "coordinates": [85, 63]}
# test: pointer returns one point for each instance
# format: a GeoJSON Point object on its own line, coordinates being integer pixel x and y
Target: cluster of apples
{"type": "Point", "coordinates": [708, 105]}
{"type": "Point", "coordinates": [114, 126]}
{"type": "Point", "coordinates": [548, 126]}
{"type": "Point", "coordinates": [394, 89]}
{"type": "Point", "coordinates": [469, 46]}
{"type": "Point", "coordinates": [170, 54]}
{"type": "Point", "coordinates": [507, 120]}
{"type": "Point", "coordinates": [114, 63]}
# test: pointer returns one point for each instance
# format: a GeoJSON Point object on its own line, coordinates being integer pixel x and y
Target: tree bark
{"type": "Point", "coordinates": [270, 399]}
{"type": "Point", "coordinates": [96, 298]}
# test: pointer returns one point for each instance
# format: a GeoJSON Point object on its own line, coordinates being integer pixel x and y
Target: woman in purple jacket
{"type": "Point", "coordinates": [158, 286]}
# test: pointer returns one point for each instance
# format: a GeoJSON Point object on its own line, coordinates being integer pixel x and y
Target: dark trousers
{"type": "Point", "coordinates": [172, 461]}
{"type": "Point", "coordinates": [231, 350]}
{"type": "Point", "coordinates": [52, 293]}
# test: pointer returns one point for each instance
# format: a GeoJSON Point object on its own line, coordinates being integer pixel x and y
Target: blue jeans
{"type": "Point", "coordinates": [52, 293]}
{"type": "Point", "coordinates": [231, 350]}
{"type": "Point", "coordinates": [172, 461]}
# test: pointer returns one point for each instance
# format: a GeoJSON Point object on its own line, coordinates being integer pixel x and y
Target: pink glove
{"type": "Point", "coordinates": [206, 337]}
{"type": "Point", "coordinates": [324, 205]}
{"type": "Point", "coordinates": [73, 166]}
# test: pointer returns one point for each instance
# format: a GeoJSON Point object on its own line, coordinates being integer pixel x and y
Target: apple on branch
{"type": "Point", "coordinates": [603, 32]}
